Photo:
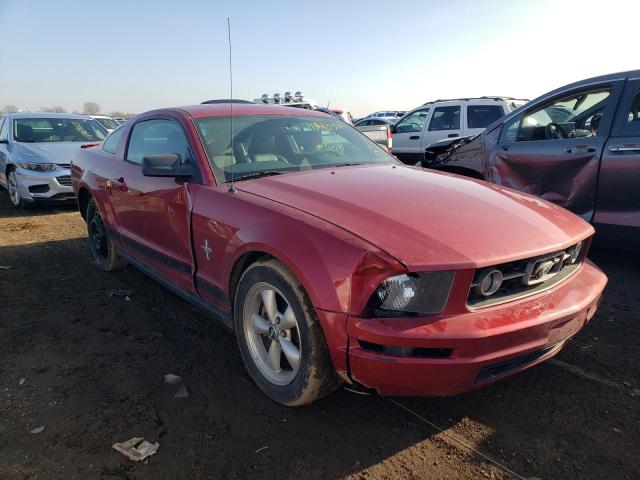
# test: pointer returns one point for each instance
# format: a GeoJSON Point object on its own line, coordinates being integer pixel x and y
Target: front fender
{"type": "Point", "coordinates": [324, 257]}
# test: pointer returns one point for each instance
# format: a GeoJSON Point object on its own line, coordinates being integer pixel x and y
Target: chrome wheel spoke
{"type": "Point", "coordinates": [270, 306]}
{"type": "Point", "coordinates": [291, 352]}
{"type": "Point", "coordinates": [273, 356]}
{"type": "Point", "coordinates": [288, 320]}
{"type": "Point", "coordinates": [259, 324]}
{"type": "Point", "coordinates": [272, 334]}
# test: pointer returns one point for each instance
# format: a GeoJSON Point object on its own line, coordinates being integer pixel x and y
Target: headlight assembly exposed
{"type": "Point", "coordinates": [38, 167]}
{"type": "Point", "coordinates": [423, 293]}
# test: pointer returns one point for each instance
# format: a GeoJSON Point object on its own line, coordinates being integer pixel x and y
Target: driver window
{"type": "Point", "coordinates": [157, 137]}
{"type": "Point", "coordinates": [578, 115]}
{"type": "Point", "coordinates": [412, 122]}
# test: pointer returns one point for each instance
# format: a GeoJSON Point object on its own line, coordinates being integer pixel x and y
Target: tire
{"type": "Point", "coordinates": [102, 245]}
{"type": "Point", "coordinates": [299, 382]}
{"type": "Point", "coordinates": [12, 186]}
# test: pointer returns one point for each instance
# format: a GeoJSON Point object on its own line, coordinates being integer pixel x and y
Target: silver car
{"type": "Point", "coordinates": [35, 154]}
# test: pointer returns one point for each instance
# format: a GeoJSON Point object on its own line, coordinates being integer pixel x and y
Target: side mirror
{"type": "Point", "coordinates": [167, 165]}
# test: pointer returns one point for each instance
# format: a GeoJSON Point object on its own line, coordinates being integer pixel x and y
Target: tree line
{"type": "Point", "coordinates": [89, 108]}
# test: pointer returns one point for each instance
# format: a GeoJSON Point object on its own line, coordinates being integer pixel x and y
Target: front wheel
{"type": "Point", "coordinates": [280, 339]}
{"type": "Point", "coordinates": [13, 188]}
{"type": "Point", "coordinates": [102, 245]}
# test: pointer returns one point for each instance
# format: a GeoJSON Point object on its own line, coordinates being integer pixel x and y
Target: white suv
{"type": "Point", "coordinates": [443, 119]}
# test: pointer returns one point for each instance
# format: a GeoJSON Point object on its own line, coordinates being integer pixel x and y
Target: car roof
{"type": "Point", "coordinates": [475, 99]}
{"type": "Point", "coordinates": [47, 115]}
{"type": "Point", "coordinates": [224, 109]}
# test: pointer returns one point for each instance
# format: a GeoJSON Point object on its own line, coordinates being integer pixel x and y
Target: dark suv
{"type": "Point", "coordinates": [577, 146]}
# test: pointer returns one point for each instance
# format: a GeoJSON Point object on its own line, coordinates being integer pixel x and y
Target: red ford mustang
{"type": "Point", "coordinates": [332, 261]}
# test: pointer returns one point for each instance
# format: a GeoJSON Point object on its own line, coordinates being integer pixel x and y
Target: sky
{"type": "Point", "coordinates": [136, 55]}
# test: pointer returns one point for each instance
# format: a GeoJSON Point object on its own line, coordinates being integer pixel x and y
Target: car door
{"type": "Point", "coordinates": [553, 148]}
{"type": "Point", "coordinates": [445, 122]}
{"type": "Point", "coordinates": [407, 136]}
{"type": "Point", "coordinates": [4, 148]}
{"type": "Point", "coordinates": [153, 212]}
{"type": "Point", "coordinates": [617, 215]}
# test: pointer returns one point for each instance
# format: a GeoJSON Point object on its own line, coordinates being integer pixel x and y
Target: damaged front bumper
{"type": "Point", "coordinates": [451, 354]}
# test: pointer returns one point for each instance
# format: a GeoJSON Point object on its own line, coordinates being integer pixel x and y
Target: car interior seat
{"type": "Point", "coordinates": [24, 133]}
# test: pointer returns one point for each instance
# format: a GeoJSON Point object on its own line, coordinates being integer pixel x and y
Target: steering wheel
{"type": "Point", "coordinates": [554, 131]}
{"type": "Point", "coordinates": [322, 153]}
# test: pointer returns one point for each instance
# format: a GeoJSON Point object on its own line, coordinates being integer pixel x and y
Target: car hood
{"type": "Point", "coordinates": [49, 152]}
{"type": "Point", "coordinates": [427, 219]}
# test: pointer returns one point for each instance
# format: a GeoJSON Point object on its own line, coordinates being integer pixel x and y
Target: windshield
{"type": "Point", "coordinates": [32, 130]}
{"type": "Point", "coordinates": [269, 145]}
{"type": "Point", "coordinates": [108, 123]}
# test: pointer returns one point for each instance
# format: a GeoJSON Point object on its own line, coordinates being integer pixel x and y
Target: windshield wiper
{"type": "Point", "coordinates": [347, 164]}
{"type": "Point", "coordinates": [265, 173]}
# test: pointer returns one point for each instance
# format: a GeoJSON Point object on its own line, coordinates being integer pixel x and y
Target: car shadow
{"type": "Point", "coordinates": [7, 210]}
{"type": "Point", "coordinates": [94, 348]}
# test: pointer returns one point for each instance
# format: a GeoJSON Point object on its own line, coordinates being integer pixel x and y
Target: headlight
{"type": "Point", "coordinates": [574, 253]}
{"type": "Point", "coordinates": [423, 293]}
{"type": "Point", "coordinates": [39, 167]}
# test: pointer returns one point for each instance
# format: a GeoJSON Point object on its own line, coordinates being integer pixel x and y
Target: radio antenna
{"type": "Point", "coordinates": [232, 189]}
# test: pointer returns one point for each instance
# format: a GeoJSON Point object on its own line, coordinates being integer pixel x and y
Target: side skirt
{"type": "Point", "coordinates": [216, 312]}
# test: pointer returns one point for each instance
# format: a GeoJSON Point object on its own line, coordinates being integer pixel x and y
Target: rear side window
{"type": "Point", "coordinates": [157, 137]}
{"type": "Point", "coordinates": [111, 143]}
{"type": "Point", "coordinates": [445, 118]}
{"type": "Point", "coordinates": [481, 116]}
{"type": "Point", "coordinates": [632, 125]}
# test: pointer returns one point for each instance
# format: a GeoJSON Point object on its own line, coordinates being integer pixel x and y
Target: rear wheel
{"type": "Point", "coordinates": [279, 336]}
{"type": "Point", "coordinates": [102, 245]}
{"type": "Point", "coordinates": [12, 187]}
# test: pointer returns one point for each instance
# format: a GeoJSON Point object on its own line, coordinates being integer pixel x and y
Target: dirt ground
{"type": "Point", "coordinates": [89, 368]}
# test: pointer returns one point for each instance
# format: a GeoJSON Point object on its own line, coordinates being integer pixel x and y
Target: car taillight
{"type": "Point", "coordinates": [389, 139]}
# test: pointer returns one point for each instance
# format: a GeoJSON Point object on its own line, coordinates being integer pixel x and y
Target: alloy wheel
{"type": "Point", "coordinates": [272, 334]}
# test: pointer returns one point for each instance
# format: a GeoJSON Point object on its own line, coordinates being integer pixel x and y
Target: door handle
{"type": "Point", "coordinates": [453, 135]}
{"type": "Point", "coordinates": [618, 149]}
{"type": "Point", "coordinates": [414, 137]}
{"type": "Point", "coordinates": [580, 149]}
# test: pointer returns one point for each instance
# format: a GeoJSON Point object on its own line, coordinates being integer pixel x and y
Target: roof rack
{"type": "Point", "coordinates": [225, 100]}
{"type": "Point", "coordinates": [476, 98]}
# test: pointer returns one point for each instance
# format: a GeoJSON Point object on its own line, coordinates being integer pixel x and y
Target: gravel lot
{"type": "Point", "coordinates": [89, 367]}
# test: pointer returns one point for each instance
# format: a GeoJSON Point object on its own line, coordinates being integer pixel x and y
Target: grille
{"type": "Point", "coordinates": [65, 166]}
{"type": "Point", "coordinates": [495, 370]}
{"type": "Point", "coordinates": [64, 180]}
{"type": "Point", "coordinates": [524, 277]}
